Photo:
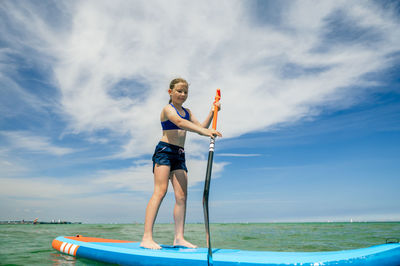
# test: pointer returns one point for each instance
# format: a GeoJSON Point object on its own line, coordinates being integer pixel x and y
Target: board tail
{"type": "Point", "coordinates": [64, 247]}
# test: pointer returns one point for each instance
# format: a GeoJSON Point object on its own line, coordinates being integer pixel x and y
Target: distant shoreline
{"type": "Point", "coordinates": [38, 222]}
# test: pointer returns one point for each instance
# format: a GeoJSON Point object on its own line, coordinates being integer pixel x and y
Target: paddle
{"type": "Point", "coordinates": [208, 179]}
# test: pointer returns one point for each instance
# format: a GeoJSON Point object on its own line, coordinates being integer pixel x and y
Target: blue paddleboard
{"type": "Point", "coordinates": [130, 253]}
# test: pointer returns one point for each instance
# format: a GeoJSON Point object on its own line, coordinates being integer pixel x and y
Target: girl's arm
{"type": "Point", "coordinates": [171, 115]}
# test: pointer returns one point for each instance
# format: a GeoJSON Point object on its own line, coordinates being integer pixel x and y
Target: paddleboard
{"type": "Point", "coordinates": [130, 253]}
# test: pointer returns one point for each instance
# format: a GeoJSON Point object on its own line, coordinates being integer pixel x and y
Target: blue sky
{"type": "Point", "coordinates": [310, 118]}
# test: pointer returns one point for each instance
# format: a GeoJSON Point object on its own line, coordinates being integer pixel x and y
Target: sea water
{"type": "Point", "coordinates": [31, 244]}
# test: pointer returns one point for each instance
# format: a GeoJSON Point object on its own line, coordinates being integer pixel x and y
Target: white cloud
{"type": "Point", "coordinates": [127, 40]}
{"type": "Point", "coordinates": [112, 63]}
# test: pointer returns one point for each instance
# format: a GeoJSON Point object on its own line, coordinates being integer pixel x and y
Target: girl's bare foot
{"type": "Point", "coordinates": [150, 244]}
{"type": "Point", "coordinates": [184, 243]}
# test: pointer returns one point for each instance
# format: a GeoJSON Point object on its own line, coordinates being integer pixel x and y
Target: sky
{"type": "Point", "coordinates": [310, 108]}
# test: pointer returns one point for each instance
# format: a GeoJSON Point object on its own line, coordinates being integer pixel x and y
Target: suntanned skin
{"type": "Point", "coordinates": [162, 173]}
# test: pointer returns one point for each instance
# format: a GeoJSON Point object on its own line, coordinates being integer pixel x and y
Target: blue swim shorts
{"type": "Point", "coordinates": [169, 154]}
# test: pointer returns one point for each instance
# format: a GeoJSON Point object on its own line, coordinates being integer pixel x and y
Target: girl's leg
{"type": "Point", "coordinates": [161, 177]}
{"type": "Point", "coordinates": [179, 182]}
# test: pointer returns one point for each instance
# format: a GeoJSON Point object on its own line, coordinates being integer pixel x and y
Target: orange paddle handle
{"type": "Point", "coordinates": [217, 98]}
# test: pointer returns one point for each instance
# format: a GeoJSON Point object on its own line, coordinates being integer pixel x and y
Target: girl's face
{"type": "Point", "coordinates": [179, 93]}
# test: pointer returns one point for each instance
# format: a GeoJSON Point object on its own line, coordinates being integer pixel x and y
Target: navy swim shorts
{"type": "Point", "coordinates": [169, 154]}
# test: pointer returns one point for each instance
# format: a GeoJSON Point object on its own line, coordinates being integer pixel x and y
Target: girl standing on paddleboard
{"type": "Point", "coordinates": [169, 161]}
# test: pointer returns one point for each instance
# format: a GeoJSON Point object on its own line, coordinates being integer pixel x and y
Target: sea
{"type": "Point", "coordinates": [28, 244]}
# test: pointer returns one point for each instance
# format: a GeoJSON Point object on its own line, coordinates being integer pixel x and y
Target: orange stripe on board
{"type": "Point", "coordinates": [63, 246]}
{"type": "Point", "coordinates": [95, 239]}
{"type": "Point", "coordinates": [74, 250]}
{"type": "Point", "coordinates": [69, 249]}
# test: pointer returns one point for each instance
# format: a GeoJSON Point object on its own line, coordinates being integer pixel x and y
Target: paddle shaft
{"type": "Point", "coordinates": [205, 199]}
{"type": "Point", "coordinates": [208, 181]}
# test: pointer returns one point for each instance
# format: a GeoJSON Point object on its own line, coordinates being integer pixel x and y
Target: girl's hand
{"type": "Point", "coordinates": [210, 132]}
{"type": "Point", "coordinates": [217, 104]}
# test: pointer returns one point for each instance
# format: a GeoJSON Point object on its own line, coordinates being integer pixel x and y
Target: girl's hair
{"type": "Point", "coordinates": [176, 81]}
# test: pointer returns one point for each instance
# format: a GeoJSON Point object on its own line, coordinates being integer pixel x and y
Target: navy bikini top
{"type": "Point", "coordinates": [168, 125]}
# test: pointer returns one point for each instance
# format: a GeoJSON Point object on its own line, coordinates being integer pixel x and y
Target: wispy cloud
{"type": "Point", "coordinates": [239, 154]}
{"type": "Point", "coordinates": [33, 143]}
{"type": "Point", "coordinates": [89, 198]}
{"type": "Point", "coordinates": [140, 176]}
{"type": "Point", "coordinates": [113, 62]}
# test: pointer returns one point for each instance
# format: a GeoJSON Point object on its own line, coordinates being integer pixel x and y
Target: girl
{"type": "Point", "coordinates": [169, 161]}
